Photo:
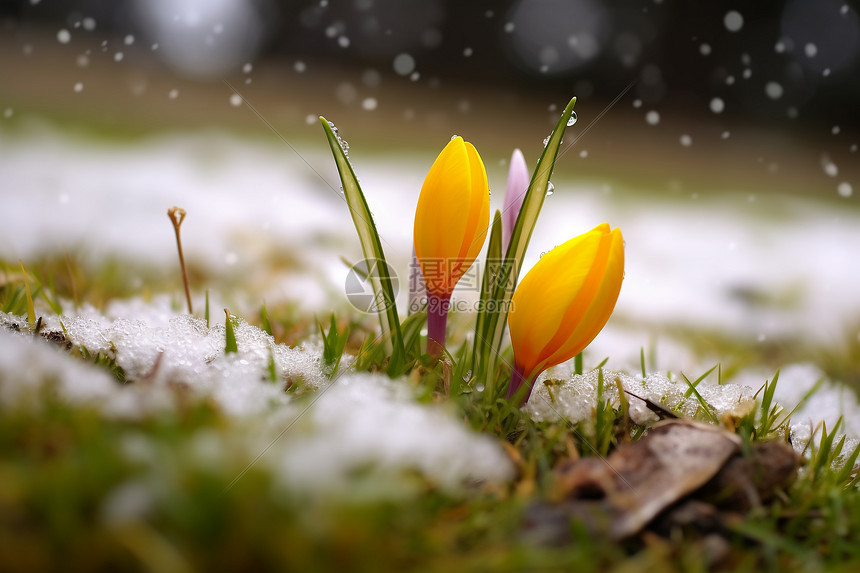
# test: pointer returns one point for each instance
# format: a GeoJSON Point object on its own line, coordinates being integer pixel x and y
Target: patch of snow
{"type": "Point", "coordinates": [28, 365]}
{"type": "Point", "coordinates": [367, 426]}
{"type": "Point", "coordinates": [560, 394]}
{"type": "Point", "coordinates": [356, 425]}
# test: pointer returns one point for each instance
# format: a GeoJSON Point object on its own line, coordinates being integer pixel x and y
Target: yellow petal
{"type": "Point", "coordinates": [565, 300]}
{"type": "Point", "coordinates": [585, 328]}
{"type": "Point", "coordinates": [452, 216]}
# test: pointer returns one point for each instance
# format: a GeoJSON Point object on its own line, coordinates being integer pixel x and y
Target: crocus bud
{"type": "Point", "coordinates": [450, 228]}
{"type": "Point", "coordinates": [564, 302]}
{"type": "Point", "coordinates": [515, 192]}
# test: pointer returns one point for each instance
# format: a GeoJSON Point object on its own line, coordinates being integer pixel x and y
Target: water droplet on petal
{"type": "Point", "coordinates": [572, 119]}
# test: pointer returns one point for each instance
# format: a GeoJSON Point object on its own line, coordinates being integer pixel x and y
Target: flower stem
{"type": "Point", "coordinates": [518, 379]}
{"type": "Point", "coordinates": [437, 316]}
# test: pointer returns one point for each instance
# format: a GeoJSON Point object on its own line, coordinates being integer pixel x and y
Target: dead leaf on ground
{"type": "Point", "coordinates": [620, 495]}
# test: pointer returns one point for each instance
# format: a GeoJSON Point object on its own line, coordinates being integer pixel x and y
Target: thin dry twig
{"type": "Point", "coordinates": [177, 215]}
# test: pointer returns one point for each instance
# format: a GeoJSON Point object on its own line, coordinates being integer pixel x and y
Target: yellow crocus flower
{"type": "Point", "coordinates": [564, 302]}
{"type": "Point", "coordinates": [451, 223]}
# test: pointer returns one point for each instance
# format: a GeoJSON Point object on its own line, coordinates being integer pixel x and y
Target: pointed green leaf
{"type": "Point", "coordinates": [371, 247]}
{"type": "Point", "coordinates": [520, 236]}
{"type": "Point", "coordinates": [230, 345]}
{"type": "Point", "coordinates": [491, 273]}
{"type": "Point", "coordinates": [264, 320]}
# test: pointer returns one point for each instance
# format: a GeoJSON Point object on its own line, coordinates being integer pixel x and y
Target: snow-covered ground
{"type": "Point", "coordinates": [751, 267]}
{"type": "Point", "coordinates": [755, 267]}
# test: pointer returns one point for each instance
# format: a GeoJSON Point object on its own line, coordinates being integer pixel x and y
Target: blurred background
{"type": "Point", "coordinates": [721, 136]}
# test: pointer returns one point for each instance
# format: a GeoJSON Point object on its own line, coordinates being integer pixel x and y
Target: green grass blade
{"type": "Point", "coordinates": [230, 345]}
{"type": "Point", "coordinates": [31, 311]}
{"type": "Point", "coordinates": [265, 323]}
{"type": "Point", "coordinates": [698, 380]}
{"type": "Point", "coordinates": [702, 402]}
{"type": "Point", "coordinates": [491, 273]}
{"type": "Point", "coordinates": [520, 236]}
{"type": "Point", "coordinates": [411, 329]}
{"type": "Point", "coordinates": [371, 247]}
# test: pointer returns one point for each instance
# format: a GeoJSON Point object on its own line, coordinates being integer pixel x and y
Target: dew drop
{"type": "Point", "coordinates": [129, 40]}
{"type": "Point", "coordinates": [835, 130]}
{"type": "Point", "coordinates": [235, 100]}
{"type": "Point", "coordinates": [79, 87]}
{"type": "Point", "coordinates": [479, 387]}
{"type": "Point", "coordinates": [64, 36]}
{"type": "Point", "coordinates": [545, 141]}
{"type": "Point", "coordinates": [844, 189]}
{"type": "Point", "coordinates": [467, 376]}
{"type": "Point", "coordinates": [247, 68]}
{"type": "Point", "coordinates": [299, 67]}
{"type": "Point", "coordinates": [572, 119]}
{"type": "Point", "coordinates": [369, 104]}
{"type": "Point", "coordinates": [455, 136]}
{"type": "Point", "coordinates": [810, 49]}
{"type": "Point", "coordinates": [7, 113]}
{"type": "Point", "coordinates": [686, 140]}
{"type": "Point", "coordinates": [550, 188]}
{"type": "Point", "coordinates": [118, 57]}
{"type": "Point", "coordinates": [174, 93]}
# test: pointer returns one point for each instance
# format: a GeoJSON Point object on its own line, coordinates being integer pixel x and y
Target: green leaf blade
{"type": "Point", "coordinates": [520, 237]}
{"type": "Point", "coordinates": [371, 247]}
